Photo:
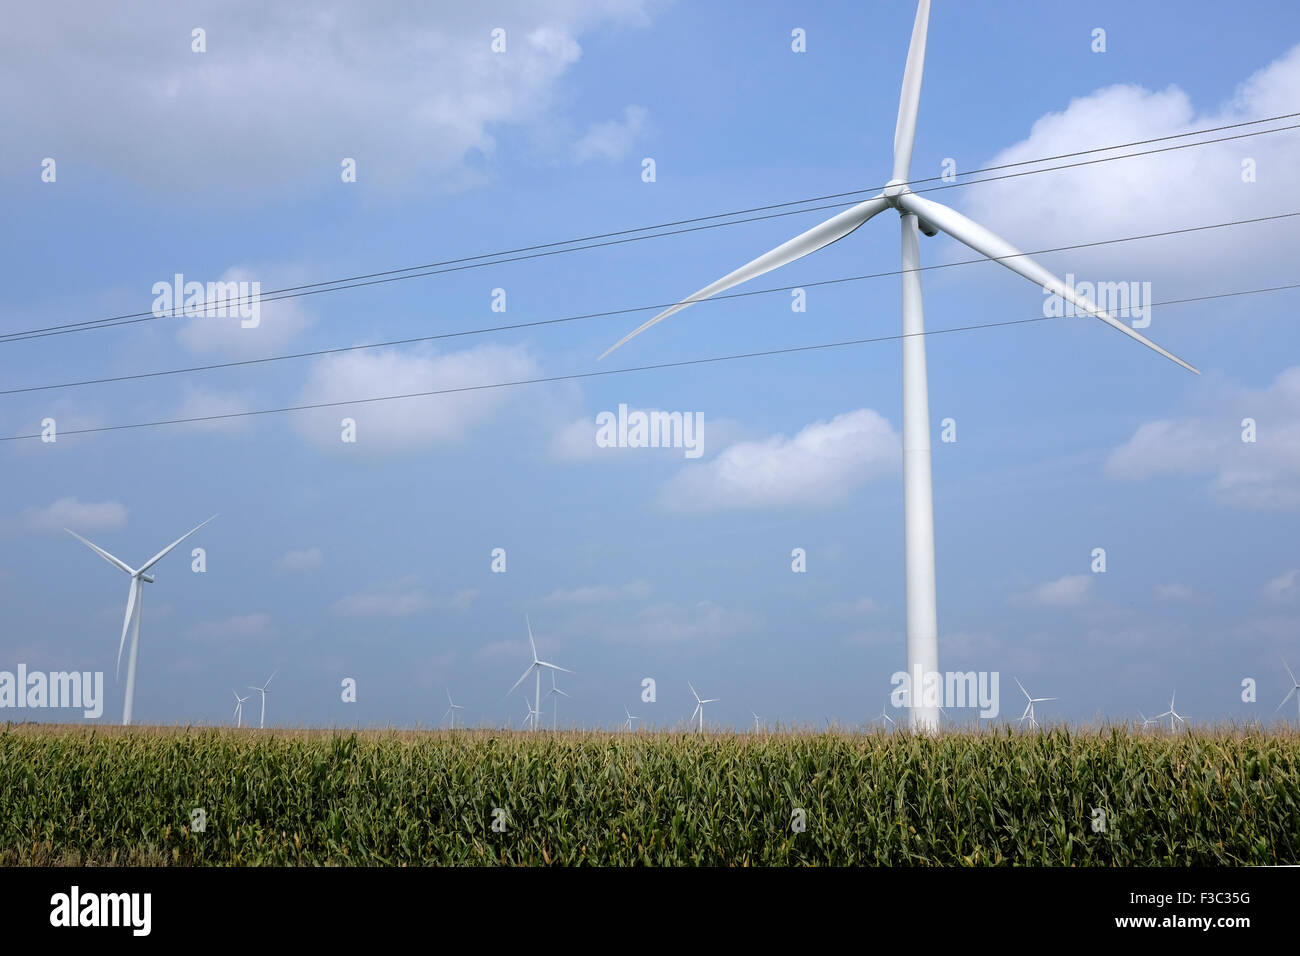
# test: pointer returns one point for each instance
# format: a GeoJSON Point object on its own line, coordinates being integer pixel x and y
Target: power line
{"type": "Point", "coordinates": [616, 371]}
{"type": "Point", "coordinates": [517, 255]}
{"type": "Point", "coordinates": [625, 311]}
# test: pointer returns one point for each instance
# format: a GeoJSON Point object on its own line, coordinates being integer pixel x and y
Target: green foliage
{"type": "Point", "coordinates": [124, 796]}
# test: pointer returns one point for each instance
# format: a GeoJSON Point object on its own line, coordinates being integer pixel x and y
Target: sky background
{"type": "Point", "coordinates": [372, 560]}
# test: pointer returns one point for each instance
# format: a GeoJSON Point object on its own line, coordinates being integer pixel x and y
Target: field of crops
{"type": "Point", "coordinates": [74, 795]}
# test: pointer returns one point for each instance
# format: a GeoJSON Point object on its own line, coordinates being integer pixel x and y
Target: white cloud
{"type": "Point", "coordinates": [598, 594]}
{"type": "Point", "coordinates": [400, 599]}
{"type": "Point", "coordinates": [413, 422]}
{"type": "Point", "coordinates": [1174, 592]}
{"type": "Point", "coordinates": [278, 321]}
{"type": "Point", "coordinates": [239, 627]}
{"type": "Point", "coordinates": [613, 139]}
{"type": "Point", "coordinates": [1283, 588]}
{"type": "Point", "coordinates": [307, 559]}
{"type": "Point", "coordinates": [284, 93]}
{"type": "Point", "coordinates": [1263, 474]}
{"type": "Point", "coordinates": [1068, 591]}
{"type": "Point", "coordinates": [80, 516]}
{"type": "Point", "coordinates": [1183, 187]}
{"type": "Point", "coordinates": [818, 467]}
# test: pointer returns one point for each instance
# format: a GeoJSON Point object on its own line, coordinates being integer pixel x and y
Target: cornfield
{"type": "Point", "coordinates": [128, 796]}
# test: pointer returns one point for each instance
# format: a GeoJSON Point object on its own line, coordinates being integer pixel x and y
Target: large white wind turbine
{"type": "Point", "coordinates": [1172, 714]}
{"type": "Point", "coordinates": [1295, 685]}
{"type": "Point", "coordinates": [699, 705]}
{"type": "Point", "coordinates": [929, 217]}
{"type": "Point", "coordinates": [536, 668]}
{"type": "Point", "coordinates": [1029, 709]}
{"type": "Point", "coordinates": [135, 599]}
{"type": "Point", "coordinates": [262, 690]}
{"type": "Point", "coordinates": [452, 707]}
{"type": "Point", "coordinates": [630, 717]}
{"type": "Point", "coordinates": [239, 709]}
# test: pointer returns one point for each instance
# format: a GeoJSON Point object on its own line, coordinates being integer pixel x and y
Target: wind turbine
{"type": "Point", "coordinates": [758, 721]}
{"type": "Point", "coordinates": [535, 668]}
{"type": "Point", "coordinates": [884, 715]}
{"type": "Point", "coordinates": [135, 599]}
{"type": "Point", "coordinates": [630, 717]}
{"type": "Point", "coordinates": [1146, 721]}
{"type": "Point", "coordinates": [262, 690]}
{"type": "Point", "coordinates": [928, 217]}
{"type": "Point", "coordinates": [239, 708]}
{"type": "Point", "coordinates": [555, 692]}
{"type": "Point", "coordinates": [531, 718]}
{"type": "Point", "coordinates": [452, 707]}
{"type": "Point", "coordinates": [1172, 714]}
{"type": "Point", "coordinates": [699, 705]}
{"type": "Point", "coordinates": [1295, 685]}
{"type": "Point", "coordinates": [1029, 709]}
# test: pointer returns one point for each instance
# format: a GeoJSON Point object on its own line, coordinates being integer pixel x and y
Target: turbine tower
{"type": "Point", "coordinates": [535, 668]}
{"type": "Point", "coordinates": [135, 599]}
{"type": "Point", "coordinates": [929, 217]}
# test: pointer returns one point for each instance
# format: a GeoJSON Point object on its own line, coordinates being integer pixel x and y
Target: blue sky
{"type": "Point", "coordinates": [373, 560]}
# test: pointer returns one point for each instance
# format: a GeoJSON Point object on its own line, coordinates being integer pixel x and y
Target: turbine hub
{"type": "Point", "coordinates": [893, 189]}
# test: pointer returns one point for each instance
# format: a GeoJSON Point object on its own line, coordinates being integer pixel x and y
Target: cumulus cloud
{"type": "Point", "coordinates": [1261, 475]}
{"type": "Point", "coordinates": [818, 467]}
{"type": "Point", "coordinates": [262, 328]}
{"type": "Point", "coordinates": [1068, 591]}
{"type": "Point", "coordinates": [307, 559]}
{"type": "Point", "coordinates": [412, 422]}
{"type": "Point", "coordinates": [239, 627]}
{"type": "Point", "coordinates": [400, 599]}
{"type": "Point", "coordinates": [1283, 588]}
{"type": "Point", "coordinates": [598, 594]}
{"type": "Point", "coordinates": [1184, 187]}
{"type": "Point", "coordinates": [80, 516]}
{"type": "Point", "coordinates": [613, 139]}
{"type": "Point", "coordinates": [414, 93]}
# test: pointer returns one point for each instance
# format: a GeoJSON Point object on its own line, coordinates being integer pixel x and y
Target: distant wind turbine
{"type": "Point", "coordinates": [1172, 714]}
{"type": "Point", "coordinates": [758, 723]}
{"type": "Point", "coordinates": [557, 694]}
{"type": "Point", "coordinates": [1029, 709]}
{"type": "Point", "coordinates": [535, 668]}
{"type": "Point", "coordinates": [134, 601]}
{"type": "Point", "coordinates": [929, 217]}
{"type": "Point", "coordinates": [239, 708]}
{"type": "Point", "coordinates": [630, 717]}
{"type": "Point", "coordinates": [884, 715]}
{"type": "Point", "coordinates": [1295, 685]}
{"type": "Point", "coordinates": [262, 690]}
{"type": "Point", "coordinates": [452, 707]}
{"type": "Point", "coordinates": [530, 720]}
{"type": "Point", "coordinates": [699, 705]}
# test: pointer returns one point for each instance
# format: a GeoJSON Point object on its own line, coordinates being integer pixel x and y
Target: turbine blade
{"type": "Point", "coordinates": [531, 643]}
{"type": "Point", "coordinates": [101, 552]}
{"type": "Point", "coordinates": [131, 601]}
{"type": "Point", "coordinates": [521, 680]}
{"type": "Point", "coordinates": [554, 667]}
{"type": "Point", "coordinates": [1022, 688]}
{"type": "Point", "coordinates": [696, 711]}
{"type": "Point", "coordinates": [1291, 675]}
{"type": "Point", "coordinates": [832, 230]}
{"type": "Point", "coordinates": [1285, 699]}
{"type": "Point", "coordinates": [909, 101]}
{"type": "Point", "coordinates": [971, 233]}
{"type": "Point", "coordinates": [161, 554]}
